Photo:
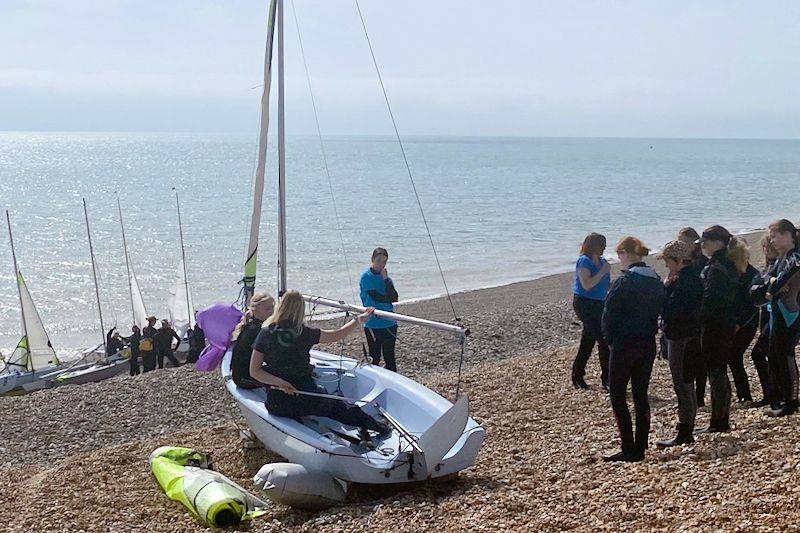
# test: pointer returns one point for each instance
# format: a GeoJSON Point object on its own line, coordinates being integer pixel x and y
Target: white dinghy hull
{"type": "Point", "coordinates": [322, 444]}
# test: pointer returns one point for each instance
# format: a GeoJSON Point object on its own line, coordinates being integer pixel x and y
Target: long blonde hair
{"type": "Point", "coordinates": [257, 299]}
{"type": "Point", "coordinates": [292, 309]}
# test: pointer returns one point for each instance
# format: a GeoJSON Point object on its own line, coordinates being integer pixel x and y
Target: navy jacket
{"type": "Point", "coordinates": [681, 312]}
{"type": "Point", "coordinates": [633, 304]}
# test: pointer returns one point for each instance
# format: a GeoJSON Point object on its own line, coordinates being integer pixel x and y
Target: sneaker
{"type": "Point", "coordinates": [622, 457]}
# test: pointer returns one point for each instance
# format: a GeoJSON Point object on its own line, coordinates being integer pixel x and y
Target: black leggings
{"type": "Point", "coordinates": [739, 344]}
{"type": "Point", "coordinates": [632, 361]}
{"type": "Point", "coordinates": [759, 355]}
{"type": "Point", "coordinates": [590, 313]}
{"type": "Point", "coordinates": [381, 341]}
{"type": "Point", "coordinates": [164, 352]}
{"type": "Point", "coordinates": [782, 341]}
{"type": "Point", "coordinates": [280, 404]}
{"type": "Point", "coordinates": [134, 362]}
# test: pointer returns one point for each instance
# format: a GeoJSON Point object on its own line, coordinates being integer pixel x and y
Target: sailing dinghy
{"type": "Point", "coordinates": [430, 438]}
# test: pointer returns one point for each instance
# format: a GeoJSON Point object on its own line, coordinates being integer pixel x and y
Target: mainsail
{"type": "Point", "coordinates": [34, 350]}
{"type": "Point", "coordinates": [139, 310]}
{"type": "Point", "coordinates": [180, 301]}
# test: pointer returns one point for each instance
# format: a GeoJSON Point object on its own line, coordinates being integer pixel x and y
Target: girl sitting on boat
{"type": "Point", "coordinates": [260, 308]}
{"type": "Point", "coordinates": [281, 360]}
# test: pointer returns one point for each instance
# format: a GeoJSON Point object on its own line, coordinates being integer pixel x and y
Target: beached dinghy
{"type": "Point", "coordinates": [431, 437]}
{"type": "Point", "coordinates": [34, 357]}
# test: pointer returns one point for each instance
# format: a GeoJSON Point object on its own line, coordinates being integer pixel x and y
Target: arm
{"type": "Point", "coordinates": [259, 374]}
{"type": "Point", "coordinates": [176, 337]}
{"type": "Point", "coordinates": [613, 309]}
{"type": "Point", "coordinates": [588, 282]}
{"type": "Point", "coordinates": [390, 295]}
{"type": "Point", "coordinates": [792, 268]}
{"type": "Point", "coordinates": [334, 335]}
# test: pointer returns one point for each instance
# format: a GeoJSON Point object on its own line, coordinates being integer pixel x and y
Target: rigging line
{"type": "Point", "coordinates": [324, 154]}
{"type": "Point", "coordinates": [405, 160]}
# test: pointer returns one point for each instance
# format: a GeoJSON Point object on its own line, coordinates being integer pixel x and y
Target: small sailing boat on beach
{"type": "Point", "coordinates": [430, 436]}
{"type": "Point", "coordinates": [34, 359]}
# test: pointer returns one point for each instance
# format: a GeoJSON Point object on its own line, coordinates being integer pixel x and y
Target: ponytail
{"type": "Point", "coordinates": [632, 245]}
{"type": "Point", "coordinates": [739, 254]}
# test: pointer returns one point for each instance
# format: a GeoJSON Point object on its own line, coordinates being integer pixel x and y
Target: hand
{"type": "Point", "coordinates": [385, 274]}
{"type": "Point", "coordinates": [363, 317]}
{"type": "Point", "coordinates": [287, 388]}
{"type": "Point", "coordinates": [606, 268]}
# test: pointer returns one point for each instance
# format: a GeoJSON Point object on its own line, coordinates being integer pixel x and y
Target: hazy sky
{"type": "Point", "coordinates": [465, 67]}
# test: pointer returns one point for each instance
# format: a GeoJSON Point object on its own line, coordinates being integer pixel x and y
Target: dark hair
{"type": "Point", "coordinates": [593, 244]}
{"type": "Point", "coordinates": [785, 226]}
{"type": "Point", "coordinates": [632, 245]}
{"type": "Point", "coordinates": [770, 253]}
{"type": "Point", "coordinates": [689, 235]}
{"type": "Point", "coordinates": [380, 251]}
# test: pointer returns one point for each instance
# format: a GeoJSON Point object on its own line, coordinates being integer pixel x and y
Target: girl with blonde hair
{"type": "Point", "coordinates": [281, 360]}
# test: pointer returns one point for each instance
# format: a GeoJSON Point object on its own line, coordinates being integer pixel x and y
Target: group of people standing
{"type": "Point", "coordinates": [710, 307]}
{"type": "Point", "coordinates": [153, 345]}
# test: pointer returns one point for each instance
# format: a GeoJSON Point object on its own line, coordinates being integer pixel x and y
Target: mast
{"type": "Point", "coordinates": [183, 257]}
{"type": "Point", "coordinates": [249, 280]}
{"type": "Point", "coordinates": [19, 293]}
{"type": "Point", "coordinates": [94, 275]}
{"type": "Point", "coordinates": [127, 261]}
{"type": "Point", "coordinates": [281, 160]}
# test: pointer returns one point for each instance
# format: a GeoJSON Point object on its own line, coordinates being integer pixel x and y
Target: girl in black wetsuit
{"type": "Point", "coordinates": [782, 292]}
{"type": "Point", "coordinates": [259, 309]}
{"type": "Point", "coordinates": [630, 324]}
{"type": "Point", "coordinates": [761, 347]}
{"type": "Point", "coordinates": [281, 360]}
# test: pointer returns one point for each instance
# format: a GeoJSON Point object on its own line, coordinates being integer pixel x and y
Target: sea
{"type": "Point", "coordinates": [498, 210]}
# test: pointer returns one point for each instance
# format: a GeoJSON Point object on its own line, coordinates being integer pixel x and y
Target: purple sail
{"type": "Point", "coordinates": [218, 322]}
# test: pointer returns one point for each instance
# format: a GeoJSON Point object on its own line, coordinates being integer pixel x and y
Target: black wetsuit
{"type": "Point", "coordinates": [747, 326]}
{"type": "Point", "coordinates": [784, 324]}
{"type": "Point", "coordinates": [630, 324]}
{"type": "Point", "coordinates": [286, 355]}
{"type": "Point", "coordinates": [242, 352]}
{"type": "Point", "coordinates": [148, 356]}
{"type": "Point", "coordinates": [718, 322]}
{"type": "Point", "coordinates": [164, 348]}
{"type": "Point", "coordinates": [113, 346]}
{"type": "Point", "coordinates": [133, 340]}
{"type": "Point", "coordinates": [197, 342]}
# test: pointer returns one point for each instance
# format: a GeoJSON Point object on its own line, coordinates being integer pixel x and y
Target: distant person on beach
{"type": "Point", "coordinates": [147, 345]}
{"type": "Point", "coordinates": [681, 318]}
{"type": "Point", "coordinates": [760, 352]}
{"type": "Point", "coordinates": [164, 348]}
{"type": "Point", "coordinates": [718, 320]}
{"type": "Point", "coordinates": [630, 324]}
{"type": "Point", "coordinates": [133, 341]}
{"type": "Point", "coordinates": [746, 314]}
{"type": "Point", "coordinates": [114, 343]}
{"type": "Point", "coordinates": [589, 288]}
{"type": "Point", "coordinates": [782, 293]}
{"type": "Point", "coordinates": [281, 359]}
{"type": "Point", "coordinates": [197, 341]}
{"type": "Point", "coordinates": [260, 308]}
{"type": "Point", "coordinates": [377, 290]}
{"type": "Point", "coordinates": [699, 261]}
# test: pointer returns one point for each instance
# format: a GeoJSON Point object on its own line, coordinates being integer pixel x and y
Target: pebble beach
{"type": "Point", "coordinates": [75, 458]}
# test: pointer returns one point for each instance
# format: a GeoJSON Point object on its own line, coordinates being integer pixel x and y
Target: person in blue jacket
{"type": "Point", "coordinates": [377, 290]}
